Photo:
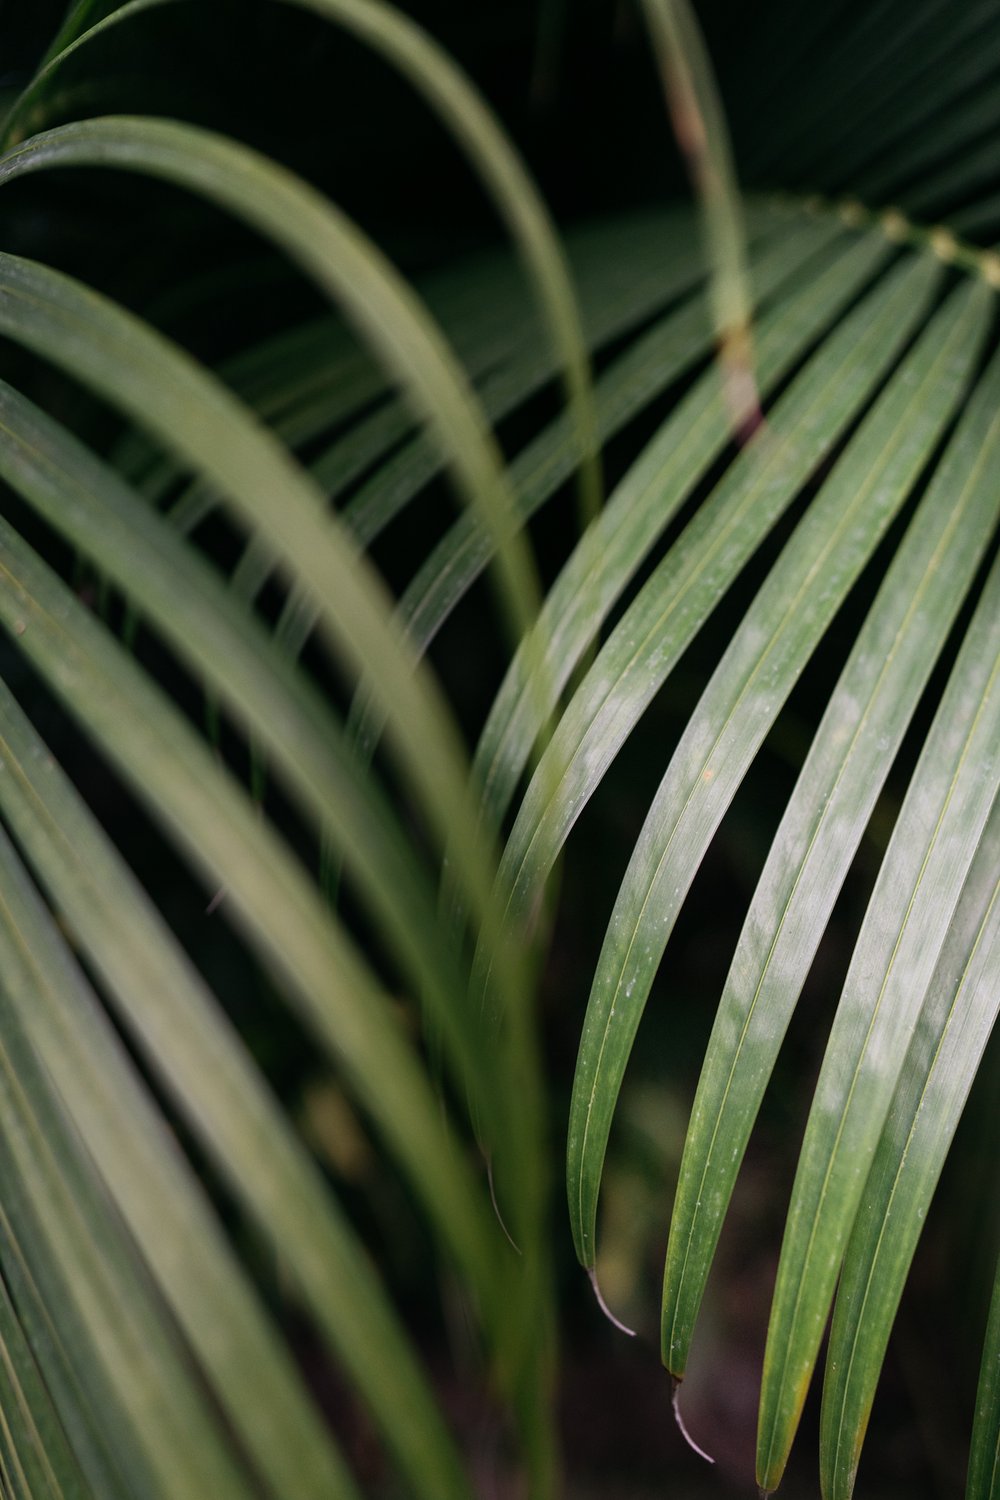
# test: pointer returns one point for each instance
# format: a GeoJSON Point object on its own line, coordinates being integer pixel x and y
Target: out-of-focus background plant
{"type": "Point", "coordinates": [498, 565]}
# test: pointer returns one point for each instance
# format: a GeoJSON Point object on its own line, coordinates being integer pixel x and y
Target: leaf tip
{"type": "Point", "coordinates": [675, 1402]}
{"type": "Point", "coordinates": [605, 1309]}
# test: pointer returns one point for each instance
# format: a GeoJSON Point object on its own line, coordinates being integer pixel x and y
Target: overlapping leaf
{"type": "Point", "coordinates": [952, 1031]}
{"type": "Point", "coordinates": [932, 848]}
{"type": "Point", "coordinates": [759, 668]}
{"type": "Point", "coordinates": [851, 756]}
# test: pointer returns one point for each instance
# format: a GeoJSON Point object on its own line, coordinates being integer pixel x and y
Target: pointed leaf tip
{"type": "Point", "coordinates": [605, 1309]}
{"type": "Point", "coordinates": [676, 1403]}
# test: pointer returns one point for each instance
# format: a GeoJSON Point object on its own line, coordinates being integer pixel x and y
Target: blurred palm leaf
{"type": "Point", "coordinates": [138, 1358]}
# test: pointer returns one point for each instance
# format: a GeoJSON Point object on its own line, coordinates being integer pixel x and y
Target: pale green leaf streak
{"type": "Point", "coordinates": [610, 310]}
{"type": "Point", "coordinates": [951, 1034]}
{"type": "Point", "coordinates": [748, 688]}
{"type": "Point", "coordinates": [32, 1438]}
{"type": "Point", "coordinates": [635, 378]}
{"type": "Point", "coordinates": [476, 131]}
{"type": "Point", "coordinates": [74, 23]}
{"type": "Point", "coordinates": [307, 383]}
{"type": "Point", "coordinates": [125, 1351]}
{"type": "Point", "coordinates": [51, 1332]}
{"type": "Point", "coordinates": [175, 1020]}
{"type": "Point", "coordinates": [911, 908]}
{"type": "Point", "coordinates": [853, 749]}
{"type": "Point", "coordinates": [170, 584]}
{"type": "Point", "coordinates": [636, 514]}
{"type": "Point", "coordinates": [983, 1481]}
{"type": "Point", "coordinates": [92, 1445]}
{"type": "Point", "coordinates": [173, 772]}
{"type": "Point", "coordinates": [692, 578]}
{"type": "Point", "coordinates": [136, 368]}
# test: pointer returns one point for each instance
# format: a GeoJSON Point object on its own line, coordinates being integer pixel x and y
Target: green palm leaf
{"type": "Point", "coordinates": [177, 1023]}
{"type": "Point", "coordinates": [36, 1456]}
{"type": "Point", "coordinates": [121, 1350]}
{"type": "Point", "coordinates": [820, 832]}
{"type": "Point", "coordinates": [410, 49]}
{"type": "Point", "coordinates": [142, 554]}
{"type": "Point", "coordinates": [635, 516]}
{"type": "Point", "coordinates": [984, 1460]}
{"type": "Point", "coordinates": [651, 362]}
{"type": "Point", "coordinates": [327, 564]}
{"type": "Point", "coordinates": [170, 766]}
{"type": "Point", "coordinates": [932, 847]}
{"type": "Point", "coordinates": [778, 633]}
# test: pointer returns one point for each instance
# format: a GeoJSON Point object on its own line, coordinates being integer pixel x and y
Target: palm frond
{"type": "Point", "coordinates": [984, 1461]}
{"type": "Point", "coordinates": [827, 485]}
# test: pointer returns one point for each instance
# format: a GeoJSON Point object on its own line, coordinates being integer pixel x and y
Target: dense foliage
{"type": "Point", "coordinates": [348, 562]}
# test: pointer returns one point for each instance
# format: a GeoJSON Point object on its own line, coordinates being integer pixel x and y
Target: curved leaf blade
{"type": "Point", "coordinates": [479, 135]}
{"type": "Point", "coordinates": [213, 821]}
{"type": "Point", "coordinates": [176, 1023]}
{"type": "Point", "coordinates": [835, 794]}
{"type": "Point", "coordinates": [92, 1446]}
{"type": "Point", "coordinates": [636, 515]}
{"type": "Point", "coordinates": [476, 131]}
{"type": "Point", "coordinates": [172, 586]}
{"type": "Point", "coordinates": [651, 362]}
{"type": "Point", "coordinates": [195, 417]}
{"type": "Point", "coordinates": [933, 843]}
{"type": "Point", "coordinates": [984, 1460]}
{"type": "Point", "coordinates": [33, 1440]}
{"type": "Point", "coordinates": [747, 690]}
{"type": "Point", "coordinates": [523, 371]}
{"type": "Point", "coordinates": [123, 1349]}
{"type": "Point", "coordinates": [954, 1026]}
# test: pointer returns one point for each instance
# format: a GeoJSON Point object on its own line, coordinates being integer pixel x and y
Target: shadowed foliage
{"type": "Point", "coordinates": [367, 525]}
